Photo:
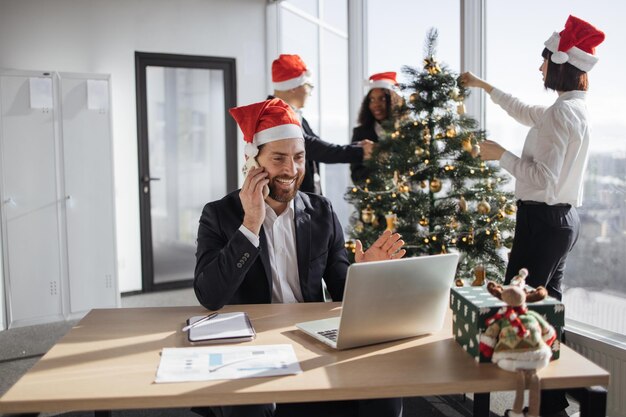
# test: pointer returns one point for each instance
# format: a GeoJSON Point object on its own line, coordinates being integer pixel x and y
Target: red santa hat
{"type": "Point", "coordinates": [383, 80]}
{"type": "Point", "coordinates": [289, 71]}
{"type": "Point", "coordinates": [575, 44]}
{"type": "Point", "coordinates": [264, 122]}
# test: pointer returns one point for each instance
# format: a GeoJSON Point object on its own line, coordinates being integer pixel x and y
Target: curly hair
{"type": "Point", "coordinates": [392, 102]}
{"type": "Point", "coordinates": [564, 77]}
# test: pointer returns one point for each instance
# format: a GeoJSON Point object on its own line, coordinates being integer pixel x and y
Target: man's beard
{"type": "Point", "coordinates": [284, 196]}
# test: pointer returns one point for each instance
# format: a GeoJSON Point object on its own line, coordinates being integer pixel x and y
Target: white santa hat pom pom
{"type": "Point", "coordinates": [559, 57]}
{"type": "Point", "coordinates": [251, 150]}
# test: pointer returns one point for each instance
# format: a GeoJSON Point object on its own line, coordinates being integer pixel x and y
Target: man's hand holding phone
{"type": "Point", "coordinates": [253, 198]}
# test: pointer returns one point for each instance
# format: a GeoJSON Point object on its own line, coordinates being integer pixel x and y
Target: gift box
{"type": "Point", "coordinates": [472, 306]}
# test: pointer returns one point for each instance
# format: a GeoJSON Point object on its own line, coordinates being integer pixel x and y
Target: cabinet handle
{"type": "Point", "coordinates": [147, 179]}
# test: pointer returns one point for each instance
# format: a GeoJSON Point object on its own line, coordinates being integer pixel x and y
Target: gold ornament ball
{"type": "Point", "coordinates": [466, 144]}
{"type": "Point", "coordinates": [423, 221]}
{"type": "Point", "coordinates": [451, 132]}
{"type": "Point", "coordinates": [483, 207]}
{"type": "Point", "coordinates": [435, 185]}
{"type": "Point", "coordinates": [419, 151]}
{"type": "Point", "coordinates": [510, 209]}
{"type": "Point", "coordinates": [414, 97]}
{"type": "Point", "coordinates": [459, 282]}
{"type": "Point", "coordinates": [367, 215]}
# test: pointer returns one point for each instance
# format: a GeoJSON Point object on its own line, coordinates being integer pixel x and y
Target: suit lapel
{"type": "Point", "coordinates": [302, 221]}
{"type": "Point", "coordinates": [265, 258]}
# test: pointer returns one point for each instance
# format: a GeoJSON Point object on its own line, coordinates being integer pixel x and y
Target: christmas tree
{"type": "Point", "coordinates": [428, 183]}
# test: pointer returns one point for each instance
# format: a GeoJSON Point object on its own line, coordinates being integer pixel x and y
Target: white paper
{"type": "Point", "coordinates": [226, 362]}
{"type": "Point", "coordinates": [40, 93]}
{"type": "Point", "coordinates": [97, 94]}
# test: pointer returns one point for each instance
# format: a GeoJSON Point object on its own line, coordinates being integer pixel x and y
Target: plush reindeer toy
{"type": "Point", "coordinates": [519, 340]}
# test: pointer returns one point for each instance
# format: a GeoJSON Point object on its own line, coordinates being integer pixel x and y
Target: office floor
{"type": "Point", "coordinates": [22, 347]}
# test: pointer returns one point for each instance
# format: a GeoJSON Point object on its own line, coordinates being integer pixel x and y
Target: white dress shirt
{"type": "Point", "coordinates": [280, 232]}
{"type": "Point", "coordinates": [554, 156]}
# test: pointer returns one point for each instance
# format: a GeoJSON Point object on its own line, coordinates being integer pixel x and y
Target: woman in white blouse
{"type": "Point", "coordinates": [549, 174]}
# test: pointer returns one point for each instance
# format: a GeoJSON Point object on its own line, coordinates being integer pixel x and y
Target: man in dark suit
{"type": "Point", "coordinates": [278, 249]}
{"type": "Point", "coordinates": [292, 83]}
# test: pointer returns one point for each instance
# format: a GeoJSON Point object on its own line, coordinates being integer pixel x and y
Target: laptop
{"type": "Point", "coordinates": [389, 300]}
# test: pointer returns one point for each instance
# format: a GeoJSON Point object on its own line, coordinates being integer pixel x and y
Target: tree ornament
{"type": "Point", "coordinates": [419, 151]}
{"type": "Point", "coordinates": [435, 185]}
{"type": "Point", "coordinates": [350, 245]}
{"type": "Point", "coordinates": [479, 276]}
{"type": "Point", "coordinates": [423, 221]}
{"type": "Point", "coordinates": [422, 184]}
{"type": "Point", "coordinates": [459, 282]}
{"type": "Point", "coordinates": [462, 205]}
{"type": "Point", "coordinates": [510, 209]}
{"type": "Point", "coordinates": [450, 131]}
{"type": "Point", "coordinates": [460, 109]}
{"type": "Point", "coordinates": [414, 97]}
{"type": "Point", "coordinates": [454, 224]}
{"type": "Point", "coordinates": [497, 238]}
{"type": "Point", "coordinates": [367, 215]}
{"type": "Point", "coordinates": [396, 178]}
{"type": "Point", "coordinates": [359, 227]}
{"type": "Point", "coordinates": [483, 207]}
{"type": "Point", "coordinates": [500, 214]}
{"type": "Point", "coordinates": [475, 150]}
{"type": "Point", "coordinates": [455, 93]}
{"type": "Point", "coordinates": [466, 144]}
{"type": "Point", "coordinates": [391, 219]}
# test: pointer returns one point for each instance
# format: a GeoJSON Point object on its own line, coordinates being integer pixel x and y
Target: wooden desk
{"type": "Point", "coordinates": [109, 360]}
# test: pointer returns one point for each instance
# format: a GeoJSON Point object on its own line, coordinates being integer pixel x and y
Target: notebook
{"type": "Point", "coordinates": [223, 328]}
{"type": "Point", "coordinates": [389, 300]}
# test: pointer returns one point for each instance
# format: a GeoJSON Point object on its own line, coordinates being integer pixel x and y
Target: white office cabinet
{"type": "Point", "coordinates": [57, 196]}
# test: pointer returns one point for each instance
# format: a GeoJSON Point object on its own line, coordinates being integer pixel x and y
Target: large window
{"type": "Point", "coordinates": [396, 31]}
{"type": "Point", "coordinates": [595, 276]}
{"type": "Point", "coordinates": [317, 31]}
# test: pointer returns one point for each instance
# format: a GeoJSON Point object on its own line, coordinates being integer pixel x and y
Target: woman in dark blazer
{"type": "Point", "coordinates": [377, 107]}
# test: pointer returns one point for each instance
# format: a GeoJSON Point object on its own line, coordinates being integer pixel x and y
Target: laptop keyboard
{"type": "Point", "coordinates": [329, 334]}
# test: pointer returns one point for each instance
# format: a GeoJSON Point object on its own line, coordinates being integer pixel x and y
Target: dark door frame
{"type": "Point", "coordinates": [143, 60]}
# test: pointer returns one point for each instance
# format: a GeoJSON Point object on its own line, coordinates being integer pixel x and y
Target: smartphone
{"type": "Point", "coordinates": [250, 163]}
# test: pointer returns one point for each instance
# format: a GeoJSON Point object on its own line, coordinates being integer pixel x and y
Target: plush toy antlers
{"type": "Point", "coordinates": [532, 296]}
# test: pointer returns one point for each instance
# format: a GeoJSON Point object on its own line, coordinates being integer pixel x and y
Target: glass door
{"type": "Point", "coordinates": [187, 146]}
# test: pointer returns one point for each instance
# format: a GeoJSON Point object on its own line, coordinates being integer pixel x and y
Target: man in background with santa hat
{"type": "Point", "coordinates": [292, 83]}
{"type": "Point", "coordinates": [277, 246]}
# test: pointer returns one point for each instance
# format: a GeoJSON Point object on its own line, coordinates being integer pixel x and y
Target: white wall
{"type": "Point", "coordinates": [95, 36]}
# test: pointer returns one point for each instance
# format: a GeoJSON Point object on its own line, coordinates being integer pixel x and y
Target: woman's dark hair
{"type": "Point", "coordinates": [366, 118]}
{"type": "Point", "coordinates": [564, 77]}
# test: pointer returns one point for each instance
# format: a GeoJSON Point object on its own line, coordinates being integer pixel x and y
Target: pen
{"type": "Point", "coordinates": [202, 320]}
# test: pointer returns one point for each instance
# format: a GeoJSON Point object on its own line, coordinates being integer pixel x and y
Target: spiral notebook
{"type": "Point", "coordinates": [223, 328]}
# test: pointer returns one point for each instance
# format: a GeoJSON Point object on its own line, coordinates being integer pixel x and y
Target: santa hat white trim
{"type": "Point", "coordinates": [286, 131]}
{"type": "Point", "coordinates": [304, 78]}
{"type": "Point", "coordinates": [582, 60]}
{"type": "Point", "coordinates": [388, 84]}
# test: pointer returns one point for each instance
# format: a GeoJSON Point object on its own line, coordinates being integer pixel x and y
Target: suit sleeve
{"type": "Point", "coordinates": [358, 171]}
{"type": "Point", "coordinates": [222, 260]}
{"type": "Point", "coordinates": [337, 263]}
{"type": "Point", "coordinates": [329, 153]}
